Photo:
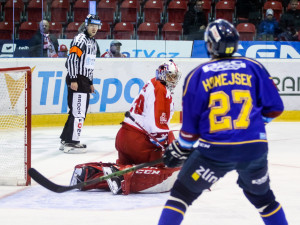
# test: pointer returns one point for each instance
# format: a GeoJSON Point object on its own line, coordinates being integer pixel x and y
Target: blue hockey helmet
{"type": "Point", "coordinates": [221, 38]}
{"type": "Point", "coordinates": [92, 19]}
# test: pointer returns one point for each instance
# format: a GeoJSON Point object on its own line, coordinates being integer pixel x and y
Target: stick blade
{"type": "Point", "coordinates": [43, 181]}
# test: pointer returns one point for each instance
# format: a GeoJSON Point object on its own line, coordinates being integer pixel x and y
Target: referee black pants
{"type": "Point", "coordinates": [78, 103]}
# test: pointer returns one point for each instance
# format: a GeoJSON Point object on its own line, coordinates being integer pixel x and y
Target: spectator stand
{"type": "Point", "coordinates": [27, 30]}
{"type": "Point", "coordinates": [276, 6]}
{"type": "Point", "coordinates": [172, 31]}
{"type": "Point", "coordinates": [124, 30]}
{"type": "Point", "coordinates": [6, 30]}
{"type": "Point", "coordinates": [148, 31]}
{"type": "Point", "coordinates": [247, 31]}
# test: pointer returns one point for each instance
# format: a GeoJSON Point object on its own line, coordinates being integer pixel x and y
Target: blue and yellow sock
{"type": "Point", "coordinates": [173, 212]}
{"type": "Point", "coordinates": [274, 215]}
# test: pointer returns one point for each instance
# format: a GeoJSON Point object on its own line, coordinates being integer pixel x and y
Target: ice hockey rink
{"type": "Point", "coordinates": [223, 205]}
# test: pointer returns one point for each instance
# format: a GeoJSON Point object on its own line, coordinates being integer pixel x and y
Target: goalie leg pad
{"type": "Point", "coordinates": [89, 171]}
{"type": "Point", "coordinates": [114, 182]}
{"type": "Point", "coordinates": [149, 180]}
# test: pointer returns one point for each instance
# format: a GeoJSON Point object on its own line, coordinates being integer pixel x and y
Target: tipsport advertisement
{"type": "Point", "coordinates": [118, 80]}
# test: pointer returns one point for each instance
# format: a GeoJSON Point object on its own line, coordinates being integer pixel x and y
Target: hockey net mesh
{"type": "Point", "coordinates": [14, 144]}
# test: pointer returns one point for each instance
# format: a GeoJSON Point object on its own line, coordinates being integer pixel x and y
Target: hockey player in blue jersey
{"type": "Point", "coordinates": [226, 103]}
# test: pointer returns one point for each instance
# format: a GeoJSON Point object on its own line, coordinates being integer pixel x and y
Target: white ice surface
{"type": "Point", "coordinates": [224, 205]}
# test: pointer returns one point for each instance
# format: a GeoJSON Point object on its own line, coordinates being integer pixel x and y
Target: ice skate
{"type": "Point", "coordinates": [62, 145]}
{"type": "Point", "coordinates": [72, 148]}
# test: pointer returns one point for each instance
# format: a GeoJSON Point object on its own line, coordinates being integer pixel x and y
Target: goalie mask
{"type": "Point", "coordinates": [169, 74]}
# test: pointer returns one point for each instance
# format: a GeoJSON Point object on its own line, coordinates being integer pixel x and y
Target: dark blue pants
{"type": "Point", "coordinates": [199, 173]}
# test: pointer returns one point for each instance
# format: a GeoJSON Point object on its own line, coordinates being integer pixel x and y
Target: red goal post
{"type": "Point", "coordinates": [15, 125]}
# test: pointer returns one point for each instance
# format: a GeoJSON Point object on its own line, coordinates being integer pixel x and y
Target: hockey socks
{"type": "Point", "coordinates": [274, 215]}
{"type": "Point", "coordinates": [173, 212]}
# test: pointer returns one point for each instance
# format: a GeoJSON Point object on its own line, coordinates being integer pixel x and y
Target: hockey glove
{"type": "Point", "coordinates": [175, 155]}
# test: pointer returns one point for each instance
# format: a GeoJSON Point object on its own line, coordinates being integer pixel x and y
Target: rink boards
{"type": "Point", "coordinates": [118, 81]}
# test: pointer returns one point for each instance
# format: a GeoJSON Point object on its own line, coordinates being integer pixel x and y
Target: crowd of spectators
{"type": "Point", "coordinates": [290, 23]}
{"type": "Point", "coordinates": [268, 27]}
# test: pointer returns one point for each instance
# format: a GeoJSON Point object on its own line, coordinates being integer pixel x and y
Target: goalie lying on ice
{"type": "Point", "coordinates": [146, 180]}
{"type": "Point", "coordinates": [151, 111]}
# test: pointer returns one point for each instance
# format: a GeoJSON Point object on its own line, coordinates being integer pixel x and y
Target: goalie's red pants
{"type": "Point", "coordinates": [134, 147]}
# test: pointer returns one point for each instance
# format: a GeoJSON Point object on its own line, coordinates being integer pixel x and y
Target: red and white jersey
{"type": "Point", "coordinates": [108, 54]}
{"type": "Point", "coordinates": [153, 108]}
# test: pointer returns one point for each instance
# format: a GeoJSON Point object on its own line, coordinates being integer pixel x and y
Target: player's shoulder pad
{"type": "Point", "coordinates": [156, 84]}
{"type": "Point", "coordinates": [148, 85]}
{"type": "Point", "coordinates": [193, 78]}
{"type": "Point", "coordinates": [254, 64]}
{"type": "Point", "coordinates": [206, 67]}
{"type": "Point", "coordinates": [249, 60]}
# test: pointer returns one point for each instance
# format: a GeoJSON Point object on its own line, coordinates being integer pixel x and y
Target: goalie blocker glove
{"type": "Point", "coordinates": [175, 155]}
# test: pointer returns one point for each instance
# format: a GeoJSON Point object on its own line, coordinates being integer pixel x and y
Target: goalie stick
{"type": "Point", "coordinates": [127, 114]}
{"type": "Point", "coordinates": [46, 183]}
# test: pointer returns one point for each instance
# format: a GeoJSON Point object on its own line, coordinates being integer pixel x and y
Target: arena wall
{"type": "Point", "coordinates": [118, 81]}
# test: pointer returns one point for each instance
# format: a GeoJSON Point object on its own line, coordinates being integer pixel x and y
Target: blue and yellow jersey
{"type": "Point", "coordinates": [224, 101]}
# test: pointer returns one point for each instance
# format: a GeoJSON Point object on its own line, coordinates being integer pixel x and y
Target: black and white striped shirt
{"type": "Point", "coordinates": [81, 60]}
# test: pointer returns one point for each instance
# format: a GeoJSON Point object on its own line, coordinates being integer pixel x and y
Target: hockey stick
{"type": "Point", "coordinates": [128, 115]}
{"type": "Point", "coordinates": [46, 183]}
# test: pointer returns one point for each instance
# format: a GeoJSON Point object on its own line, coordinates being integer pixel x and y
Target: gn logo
{"type": "Point", "coordinates": [205, 174]}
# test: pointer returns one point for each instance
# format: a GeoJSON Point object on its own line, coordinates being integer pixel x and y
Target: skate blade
{"type": "Point", "coordinates": [72, 150]}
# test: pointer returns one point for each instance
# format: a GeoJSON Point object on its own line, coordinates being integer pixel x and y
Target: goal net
{"type": "Point", "coordinates": [15, 125]}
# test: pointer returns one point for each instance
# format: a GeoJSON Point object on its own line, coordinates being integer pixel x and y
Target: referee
{"type": "Point", "coordinates": [80, 64]}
